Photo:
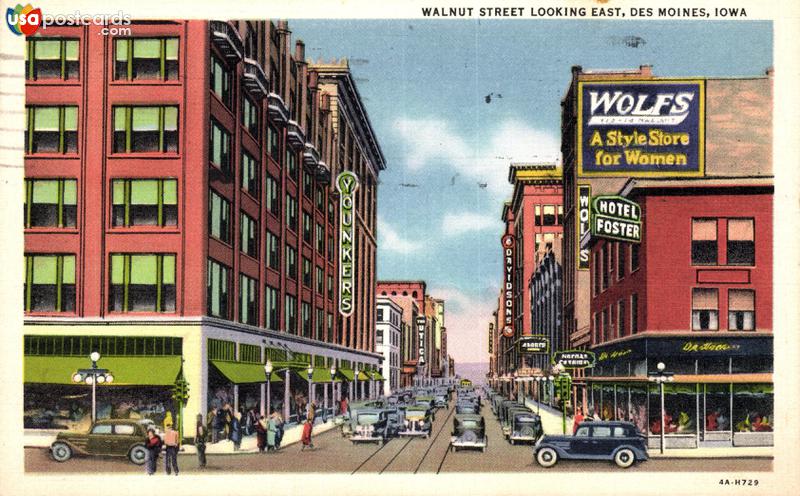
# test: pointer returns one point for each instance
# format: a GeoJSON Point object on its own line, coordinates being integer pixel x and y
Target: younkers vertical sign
{"type": "Point", "coordinates": [509, 247]}
{"type": "Point", "coordinates": [641, 128]}
{"type": "Point", "coordinates": [347, 184]}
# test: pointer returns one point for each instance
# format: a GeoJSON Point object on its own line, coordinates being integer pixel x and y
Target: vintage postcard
{"type": "Point", "coordinates": [422, 247]}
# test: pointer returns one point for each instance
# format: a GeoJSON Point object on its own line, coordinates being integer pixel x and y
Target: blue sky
{"type": "Point", "coordinates": [425, 84]}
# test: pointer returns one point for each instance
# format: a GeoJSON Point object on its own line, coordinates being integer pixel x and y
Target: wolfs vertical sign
{"type": "Point", "coordinates": [347, 184]}
{"type": "Point", "coordinates": [509, 246]}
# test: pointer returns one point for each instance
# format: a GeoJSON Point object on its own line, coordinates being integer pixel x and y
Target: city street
{"type": "Point", "coordinates": [333, 453]}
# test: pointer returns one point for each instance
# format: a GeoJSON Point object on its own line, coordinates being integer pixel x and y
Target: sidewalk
{"type": "Point", "coordinates": [551, 423]}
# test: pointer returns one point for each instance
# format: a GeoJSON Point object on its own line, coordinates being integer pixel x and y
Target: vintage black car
{"type": "Point", "coordinates": [394, 419]}
{"type": "Point", "coordinates": [466, 407]}
{"type": "Point", "coordinates": [440, 399]}
{"type": "Point", "coordinates": [497, 399]}
{"type": "Point", "coordinates": [525, 427]}
{"type": "Point", "coordinates": [616, 441]}
{"type": "Point", "coordinates": [372, 425]}
{"type": "Point", "coordinates": [116, 437]}
{"type": "Point", "coordinates": [508, 416]}
{"type": "Point", "coordinates": [469, 431]}
{"type": "Point", "coordinates": [417, 421]}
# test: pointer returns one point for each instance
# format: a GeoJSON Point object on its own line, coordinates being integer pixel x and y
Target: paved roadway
{"type": "Point", "coordinates": [333, 453]}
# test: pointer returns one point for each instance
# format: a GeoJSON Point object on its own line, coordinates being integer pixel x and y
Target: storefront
{"type": "Point", "coordinates": [722, 392]}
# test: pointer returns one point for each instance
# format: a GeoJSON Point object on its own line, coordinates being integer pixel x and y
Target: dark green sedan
{"type": "Point", "coordinates": [117, 437]}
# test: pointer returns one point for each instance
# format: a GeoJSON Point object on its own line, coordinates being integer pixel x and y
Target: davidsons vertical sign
{"type": "Point", "coordinates": [509, 247]}
{"type": "Point", "coordinates": [347, 184]}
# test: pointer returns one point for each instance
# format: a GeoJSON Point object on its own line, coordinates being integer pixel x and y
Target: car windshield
{"type": "Point", "coordinates": [526, 418]}
{"type": "Point", "coordinates": [469, 424]}
{"type": "Point", "coordinates": [368, 418]}
{"type": "Point", "coordinates": [415, 411]}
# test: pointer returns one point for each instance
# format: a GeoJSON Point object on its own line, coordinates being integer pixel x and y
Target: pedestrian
{"type": "Point", "coordinates": [211, 424]}
{"type": "Point", "coordinates": [219, 424]}
{"type": "Point", "coordinates": [153, 446]}
{"type": "Point", "coordinates": [261, 434]}
{"type": "Point", "coordinates": [200, 435]}
{"type": "Point", "coordinates": [171, 444]}
{"type": "Point", "coordinates": [272, 432]}
{"type": "Point", "coordinates": [279, 425]}
{"type": "Point", "coordinates": [306, 438]}
{"type": "Point", "coordinates": [343, 406]}
{"type": "Point", "coordinates": [577, 421]}
{"type": "Point", "coordinates": [236, 431]}
{"type": "Point", "coordinates": [228, 419]}
{"type": "Point", "coordinates": [311, 411]}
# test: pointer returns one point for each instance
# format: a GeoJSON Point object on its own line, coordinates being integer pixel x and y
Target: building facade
{"type": "Point", "coordinates": [546, 289]}
{"type": "Point", "coordinates": [184, 174]}
{"type": "Point", "coordinates": [388, 342]}
{"type": "Point", "coordinates": [410, 296]}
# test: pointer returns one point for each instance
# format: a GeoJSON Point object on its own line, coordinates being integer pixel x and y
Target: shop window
{"type": "Point", "coordinates": [741, 249]}
{"type": "Point", "coordinates": [50, 283]}
{"type": "Point", "coordinates": [219, 216]}
{"type": "Point", "coordinates": [306, 315]}
{"type": "Point", "coordinates": [680, 407]}
{"type": "Point", "coordinates": [249, 234]}
{"type": "Point", "coordinates": [218, 290]}
{"type": "Point", "coordinates": [537, 215]}
{"type": "Point", "coordinates": [51, 203]}
{"type": "Point", "coordinates": [753, 408]}
{"type": "Point", "coordinates": [273, 252]}
{"type": "Point", "coordinates": [250, 177]}
{"type": "Point", "coordinates": [144, 202]}
{"type": "Point", "coordinates": [248, 300]}
{"type": "Point", "coordinates": [320, 280]}
{"type": "Point", "coordinates": [307, 227]}
{"type": "Point", "coordinates": [705, 309]}
{"type": "Point", "coordinates": [291, 262]}
{"type": "Point", "coordinates": [704, 241]}
{"type": "Point", "coordinates": [717, 410]}
{"type": "Point", "coordinates": [306, 272]}
{"type": "Point", "coordinates": [221, 81]}
{"type": "Point", "coordinates": [250, 116]}
{"type": "Point", "coordinates": [142, 283]}
{"type": "Point", "coordinates": [137, 59]}
{"type": "Point", "coordinates": [560, 215]}
{"type": "Point", "coordinates": [741, 310]}
{"type": "Point", "coordinates": [51, 129]}
{"type": "Point", "coordinates": [272, 308]}
{"type": "Point", "coordinates": [274, 144]}
{"type": "Point", "coordinates": [220, 147]}
{"type": "Point", "coordinates": [291, 212]}
{"type": "Point", "coordinates": [549, 215]}
{"type": "Point", "coordinates": [51, 58]}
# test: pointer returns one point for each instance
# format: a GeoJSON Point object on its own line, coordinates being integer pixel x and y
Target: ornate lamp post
{"type": "Point", "coordinates": [333, 387]}
{"type": "Point", "coordinates": [310, 372]}
{"type": "Point", "coordinates": [660, 377]}
{"type": "Point", "coordinates": [268, 374]}
{"type": "Point", "coordinates": [93, 377]}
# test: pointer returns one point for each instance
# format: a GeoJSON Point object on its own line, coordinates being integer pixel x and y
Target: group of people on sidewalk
{"type": "Point", "coordinates": [269, 432]}
{"type": "Point", "coordinates": [170, 444]}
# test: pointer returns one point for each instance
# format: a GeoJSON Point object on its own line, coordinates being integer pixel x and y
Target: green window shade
{"type": "Point", "coordinates": [118, 192]}
{"type": "Point", "coordinates": [172, 49]}
{"type": "Point", "coordinates": [168, 272]}
{"type": "Point", "coordinates": [70, 192]}
{"type": "Point", "coordinates": [71, 49]}
{"type": "Point", "coordinates": [144, 192]}
{"type": "Point", "coordinates": [68, 270]}
{"type": "Point", "coordinates": [170, 192]}
{"type": "Point", "coordinates": [145, 118]}
{"type": "Point", "coordinates": [117, 269]}
{"type": "Point", "coordinates": [170, 118]}
{"type": "Point", "coordinates": [47, 49]}
{"type": "Point", "coordinates": [45, 118]}
{"type": "Point", "coordinates": [120, 118]}
{"type": "Point", "coordinates": [147, 48]}
{"type": "Point", "coordinates": [45, 192]}
{"type": "Point", "coordinates": [45, 270]}
{"type": "Point", "coordinates": [70, 118]}
{"type": "Point", "coordinates": [122, 50]}
{"type": "Point", "coordinates": [216, 213]}
{"type": "Point", "coordinates": [144, 269]}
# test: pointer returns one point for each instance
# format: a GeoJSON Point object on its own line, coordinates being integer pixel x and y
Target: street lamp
{"type": "Point", "coordinates": [93, 377]}
{"type": "Point", "coordinates": [268, 374]}
{"type": "Point", "coordinates": [660, 377]}
{"type": "Point", "coordinates": [310, 372]}
{"type": "Point", "coordinates": [333, 388]}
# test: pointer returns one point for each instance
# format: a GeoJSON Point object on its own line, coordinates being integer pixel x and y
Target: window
{"type": "Point", "coordinates": [124, 429]}
{"type": "Point", "coordinates": [273, 252]}
{"type": "Point", "coordinates": [621, 249]}
{"type": "Point", "coordinates": [250, 175]}
{"type": "Point", "coordinates": [741, 242]}
{"type": "Point", "coordinates": [560, 215]}
{"type": "Point", "coordinates": [321, 199]}
{"type": "Point", "coordinates": [320, 238]}
{"type": "Point", "coordinates": [319, 325]}
{"type": "Point", "coordinates": [51, 129]}
{"type": "Point", "coordinates": [308, 185]}
{"type": "Point", "coordinates": [250, 116]}
{"type": "Point", "coordinates": [601, 432]}
{"type": "Point", "coordinates": [273, 144]}
{"type": "Point", "coordinates": [379, 336]}
{"type": "Point", "coordinates": [330, 287]}
{"type": "Point", "coordinates": [291, 262]}
{"type": "Point", "coordinates": [307, 227]}
{"type": "Point", "coordinates": [248, 300]}
{"type": "Point", "coordinates": [605, 323]}
{"type": "Point", "coordinates": [330, 327]}
{"type": "Point", "coordinates": [51, 58]}
{"type": "Point", "coordinates": [380, 315]}
{"type": "Point", "coordinates": [537, 215]}
{"type": "Point", "coordinates": [306, 314]}
{"type": "Point", "coordinates": [604, 255]}
{"type": "Point", "coordinates": [320, 280]}
{"type": "Point", "coordinates": [138, 59]}
{"type": "Point", "coordinates": [102, 429]}
{"type": "Point", "coordinates": [291, 212]}
{"type": "Point", "coordinates": [51, 203]}
{"type": "Point", "coordinates": [219, 215]}
{"type": "Point", "coordinates": [218, 289]}
{"type": "Point", "coordinates": [273, 195]}
{"type": "Point", "coordinates": [142, 283]}
{"type": "Point", "coordinates": [634, 313]}
{"type": "Point", "coordinates": [635, 247]}
{"type": "Point", "coordinates": [220, 147]}
{"type": "Point", "coordinates": [49, 283]}
{"type": "Point", "coordinates": [537, 241]}
{"type": "Point", "coordinates": [330, 248]}
{"type": "Point", "coordinates": [221, 82]}
{"type": "Point", "coordinates": [291, 313]}
{"type": "Point", "coordinates": [144, 202]}
{"type": "Point", "coordinates": [249, 231]}
{"type": "Point", "coordinates": [621, 318]}
{"type": "Point", "coordinates": [582, 432]}
{"type": "Point", "coordinates": [741, 310]}
{"type": "Point", "coordinates": [549, 217]}
{"type": "Point", "coordinates": [291, 163]}
{"type": "Point", "coordinates": [306, 272]}
{"type": "Point", "coordinates": [331, 212]}
{"type": "Point", "coordinates": [705, 309]}
{"type": "Point", "coordinates": [704, 241]}
{"type": "Point", "coordinates": [145, 129]}
{"type": "Point", "coordinates": [271, 307]}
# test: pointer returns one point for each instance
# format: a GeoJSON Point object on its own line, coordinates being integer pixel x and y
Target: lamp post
{"type": "Point", "coordinates": [333, 387]}
{"type": "Point", "coordinates": [660, 377]}
{"type": "Point", "coordinates": [268, 374]}
{"type": "Point", "coordinates": [93, 377]}
{"type": "Point", "coordinates": [310, 372]}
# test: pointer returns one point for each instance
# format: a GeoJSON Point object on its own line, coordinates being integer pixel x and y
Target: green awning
{"type": "Point", "coordinates": [127, 371]}
{"type": "Point", "coordinates": [377, 376]}
{"type": "Point", "coordinates": [320, 375]}
{"type": "Point", "coordinates": [362, 376]}
{"type": "Point", "coordinates": [243, 373]}
{"type": "Point", "coordinates": [348, 374]}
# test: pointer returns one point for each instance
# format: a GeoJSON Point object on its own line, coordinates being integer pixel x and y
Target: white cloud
{"type": "Point", "coordinates": [455, 224]}
{"type": "Point", "coordinates": [391, 240]}
{"type": "Point", "coordinates": [432, 142]}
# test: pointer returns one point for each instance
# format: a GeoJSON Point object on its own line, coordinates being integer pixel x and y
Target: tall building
{"type": "Point", "coordinates": [181, 220]}
{"type": "Point", "coordinates": [388, 339]}
{"type": "Point", "coordinates": [545, 286]}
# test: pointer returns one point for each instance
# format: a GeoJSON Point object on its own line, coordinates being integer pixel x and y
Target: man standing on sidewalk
{"type": "Point", "coordinates": [171, 442]}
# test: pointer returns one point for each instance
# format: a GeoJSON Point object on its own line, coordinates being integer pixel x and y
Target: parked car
{"type": "Point", "coordinates": [467, 407]}
{"type": "Point", "coordinates": [469, 431]}
{"type": "Point", "coordinates": [371, 425]}
{"type": "Point", "coordinates": [394, 420]}
{"type": "Point", "coordinates": [505, 423]}
{"type": "Point", "coordinates": [497, 399]}
{"type": "Point", "coordinates": [115, 437]}
{"type": "Point", "coordinates": [440, 400]}
{"type": "Point", "coordinates": [418, 421]}
{"type": "Point", "coordinates": [525, 426]}
{"type": "Point", "coordinates": [619, 442]}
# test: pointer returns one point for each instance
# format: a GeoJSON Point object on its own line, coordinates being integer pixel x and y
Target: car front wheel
{"type": "Point", "coordinates": [546, 457]}
{"type": "Point", "coordinates": [138, 454]}
{"type": "Point", "coordinates": [624, 458]}
{"type": "Point", "coordinates": [61, 452]}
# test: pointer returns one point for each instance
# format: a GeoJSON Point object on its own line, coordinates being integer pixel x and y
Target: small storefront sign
{"type": "Point", "coordinates": [347, 184]}
{"type": "Point", "coordinates": [509, 247]}
{"type": "Point", "coordinates": [536, 343]}
{"type": "Point", "coordinates": [574, 359]}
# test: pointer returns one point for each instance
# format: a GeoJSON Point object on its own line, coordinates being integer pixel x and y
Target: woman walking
{"type": "Point", "coordinates": [261, 434]}
{"type": "Point", "coordinates": [272, 432]}
{"type": "Point", "coordinates": [236, 430]}
{"type": "Point", "coordinates": [153, 446]}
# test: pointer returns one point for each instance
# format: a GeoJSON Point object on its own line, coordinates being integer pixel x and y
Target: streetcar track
{"type": "Point", "coordinates": [396, 455]}
{"type": "Point", "coordinates": [444, 424]}
{"type": "Point", "coordinates": [385, 444]}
